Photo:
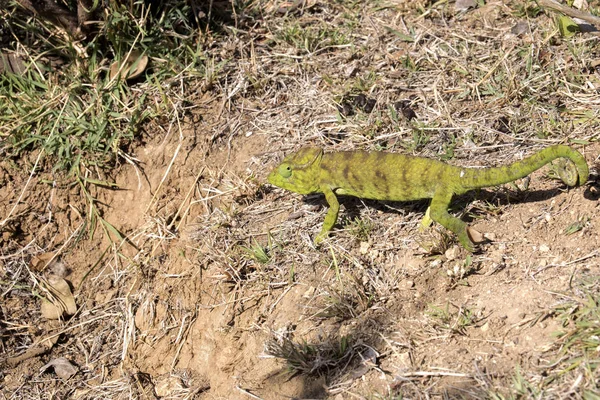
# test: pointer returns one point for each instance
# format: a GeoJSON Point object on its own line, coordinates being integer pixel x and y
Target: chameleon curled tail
{"type": "Point", "coordinates": [571, 169]}
{"type": "Point", "coordinates": [397, 177]}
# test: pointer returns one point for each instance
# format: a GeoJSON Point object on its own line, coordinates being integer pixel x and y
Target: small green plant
{"type": "Point", "coordinates": [339, 306]}
{"type": "Point", "coordinates": [350, 296]}
{"type": "Point", "coordinates": [420, 138]}
{"type": "Point", "coordinates": [408, 63]}
{"type": "Point", "coordinates": [434, 241]}
{"type": "Point", "coordinates": [79, 118]}
{"type": "Point", "coordinates": [258, 253]}
{"type": "Point", "coordinates": [459, 272]}
{"type": "Point", "coordinates": [580, 340]}
{"type": "Point", "coordinates": [93, 212]}
{"type": "Point", "coordinates": [363, 84]}
{"type": "Point", "coordinates": [312, 38]}
{"type": "Point", "coordinates": [577, 225]}
{"type": "Point", "coordinates": [361, 228]}
{"type": "Point", "coordinates": [403, 37]}
{"type": "Point", "coordinates": [393, 114]}
{"type": "Point", "coordinates": [448, 150]}
{"type": "Point", "coordinates": [455, 322]}
{"type": "Point", "coordinates": [527, 9]}
{"type": "Point", "coordinates": [441, 315]}
{"type": "Point", "coordinates": [522, 387]}
{"type": "Point", "coordinates": [480, 208]}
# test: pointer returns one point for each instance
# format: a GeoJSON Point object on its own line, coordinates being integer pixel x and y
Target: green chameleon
{"type": "Point", "coordinates": [398, 177]}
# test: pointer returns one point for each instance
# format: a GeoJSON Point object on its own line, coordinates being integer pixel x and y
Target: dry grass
{"type": "Point", "coordinates": [216, 285]}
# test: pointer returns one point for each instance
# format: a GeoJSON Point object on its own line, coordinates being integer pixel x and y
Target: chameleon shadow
{"type": "Point", "coordinates": [363, 356]}
{"type": "Point", "coordinates": [592, 191]}
{"type": "Point", "coordinates": [503, 197]}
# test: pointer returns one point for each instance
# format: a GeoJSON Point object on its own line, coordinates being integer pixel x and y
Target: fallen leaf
{"type": "Point", "coordinates": [475, 235]}
{"type": "Point", "coordinates": [131, 67]}
{"type": "Point", "coordinates": [62, 367]}
{"type": "Point", "coordinates": [39, 262]}
{"type": "Point", "coordinates": [11, 63]}
{"type": "Point", "coordinates": [369, 360]}
{"type": "Point", "coordinates": [520, 28]}
{"type": "Point", "coordinates": [59, 301]}
{"type": "Point", "coordinates": [464, 5]}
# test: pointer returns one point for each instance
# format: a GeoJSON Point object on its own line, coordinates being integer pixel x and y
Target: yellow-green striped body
{"type": "Point", "coordinates": [398, 177]}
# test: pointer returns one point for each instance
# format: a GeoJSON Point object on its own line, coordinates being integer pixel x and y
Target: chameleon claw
{"type": "Point", "coordinates": [426, 221]}
{"type": "Point", "coordinates": [320, 238]}
{"type": "Point", "coordinates": [469, 246]}
{"type": "Point", "coordinates": [469, 239]}
{"type": "Point", "coordinates": [466, 243]}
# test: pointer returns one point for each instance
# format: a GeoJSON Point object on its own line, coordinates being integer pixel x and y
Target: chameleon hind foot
{"type": "Point", "coordinates": [466, 241]}
{"type": "Point", "coordinates": [320, 238]}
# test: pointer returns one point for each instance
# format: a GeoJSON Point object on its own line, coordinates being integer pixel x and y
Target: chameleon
{"type": "Point", "coordinates": [397, 177]}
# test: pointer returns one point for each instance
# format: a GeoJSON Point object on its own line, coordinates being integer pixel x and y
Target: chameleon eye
{"type": "Point", "coordinates": [285, 171]}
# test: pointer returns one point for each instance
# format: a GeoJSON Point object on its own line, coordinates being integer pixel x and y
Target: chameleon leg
{"type": "Point", "coordinates": [332, 214]}
{"type": "Point", "coordinates": [439, 213]}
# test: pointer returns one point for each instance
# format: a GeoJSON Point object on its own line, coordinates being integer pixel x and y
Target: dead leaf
{"type": "Point", "coordinates": [59, 300]}
{"type": "Point", "coordinates": [464, 5]}
{"type": "Point", "coordinates": [521, 28]}
{"type": "Point", "coordinates": [40, 261]}
{"type": "Point", "coordinates": [11, 63]}
{"type": "Point", "coordinates": [369, 361]}
{"type": "Point", "coordinates": [33, 351]}
{"type": "Point", "coordinates": [475, 235]}
{"type": "Point", "coordinates": [62, 367]}
{"type": "Point", "coordinates": [131, 67]}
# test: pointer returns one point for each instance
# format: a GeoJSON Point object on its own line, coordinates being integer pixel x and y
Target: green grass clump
{"type": "Point", "coordinates": [306, 358]}
{"type": "Point", "coordinates": [576, 354]}
{"type": "Point", "coordinates": [579, 341]}
{"type": "Point", "coordinates": [455, 322]}
{"type": "Point", "coordinates": [312, 38]}
{"type": "Point", "coordinates": [78, 125]}
{"type": "Point", "coordinates": [67, 104]}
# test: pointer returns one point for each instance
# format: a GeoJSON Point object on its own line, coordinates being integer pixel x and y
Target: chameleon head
{"type": "Point", "coordinates": [299, 172]}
